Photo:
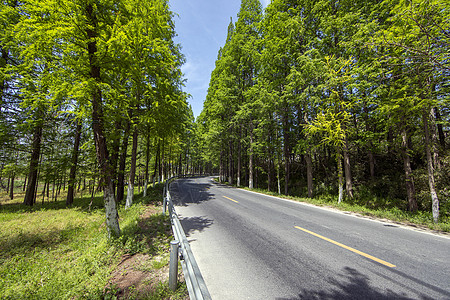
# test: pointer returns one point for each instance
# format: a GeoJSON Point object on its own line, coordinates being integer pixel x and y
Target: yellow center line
{"type": "Point", "coordinates": [348, 248]}
{"type": "Point", "coordinates": [230, 199]}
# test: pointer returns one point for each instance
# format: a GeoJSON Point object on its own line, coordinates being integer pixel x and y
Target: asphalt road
{"type": "Point", "coordinates": [252, 246]}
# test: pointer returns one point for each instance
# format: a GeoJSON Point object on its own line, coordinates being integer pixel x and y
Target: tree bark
{"type": "Point", "coordinates": [340, 177]}
{"type": "Point", "coordinates": [122, 162]}
{"type": "Point", "coordinates": [409, 180]}
{"type": "Point", "coordinates": [239, 166]}
{"type": "Point", "coordinates": [11, 191]}
{"type": "Point", "coordinates": [230, 163]}
{"type": "Point", "coordinates": [309, 174]}
{"type": "Point", "coordinates": [221, 172]}
{"type": "Point", "coordinates": [73, 168]}
{"type": "Point", "coordinates": [286, 151]}
{"type": "Point", "coordinates": [112, 218]}
{"type": "Point", "coordinates": [115, 153]}
{"type": "Point", "coordinates": [156, 162]}
{"type": "Point", "coordinates": [48, 189]}
{"type": "Point", "coordinates": [37, 179]}
{"type": "Point", "coordinates": [269, 173]}
{"type": "Point", "coordinates": [440, 129]}
{"type": "Point", "coordinates": [348, 173]}
{"type": "Point", "coordinates": [250, 159]}
{"type": "Point", "coordinates": [34, 163]}
{"type": "Point", "coordinates": [434, 139]}
{"type": "Point", "coordinates": [147, 158]}
{"type": "Point", "coordinates": [43, 191]}
{"type": "Point", "coordinates": [130, 193]}
{"type": "Point", "coordinates": [161, 162]}
{"type": "Point", "coordinates": [430, 168]}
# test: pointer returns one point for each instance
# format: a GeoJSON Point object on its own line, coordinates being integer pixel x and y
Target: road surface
{"type": "Point", "coordinates": [252, 246]}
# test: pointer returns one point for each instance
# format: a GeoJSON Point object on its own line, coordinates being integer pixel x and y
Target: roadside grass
{"type": "Point", "coordinates": [49, 251]}
{"type": "Point", "coordinates": [377, 208]}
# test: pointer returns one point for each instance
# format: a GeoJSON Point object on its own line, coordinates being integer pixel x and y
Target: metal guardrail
{"type": "Point", "coordinates": [194, 280]}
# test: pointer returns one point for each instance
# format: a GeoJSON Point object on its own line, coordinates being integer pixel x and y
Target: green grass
{"type": "Point", "coordinates": [162, 291]}
{"type": "Point", "coordinates": [52, 252]}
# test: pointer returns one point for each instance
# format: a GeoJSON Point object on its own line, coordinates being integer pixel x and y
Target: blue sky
{"type": "Point", "coordinates": [201, 26]}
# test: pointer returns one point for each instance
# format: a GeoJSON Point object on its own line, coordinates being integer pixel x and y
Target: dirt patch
{"type": "Point", "coordinates": [135, 276]}
{"type": "Point", "coordinates": [138, 275]}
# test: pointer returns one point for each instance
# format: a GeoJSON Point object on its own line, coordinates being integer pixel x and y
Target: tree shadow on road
{"type": "Point", "coordinates": [191, 224]}
{"type": "Point", "coordinates": [184, 193]}
{"type": "Point", "coordinates": [353, 285]}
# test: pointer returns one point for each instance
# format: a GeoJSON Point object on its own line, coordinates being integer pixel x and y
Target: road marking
{"type": "Point", "coordinates": [230, 199]}
{"type": "Point", "coordinates": [348, 248]}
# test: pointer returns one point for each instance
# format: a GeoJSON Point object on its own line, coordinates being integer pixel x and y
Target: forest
{"type": "Point", "coordinates": [341, 102]}
{"type": "Point", "coordinates": [335, 99]}
{"type": "Point", "coordinates": [91, 100]}
{"type": "Point", "coordinates": [346, 100]}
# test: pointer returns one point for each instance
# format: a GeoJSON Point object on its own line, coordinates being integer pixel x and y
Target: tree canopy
{"type": "Point", "coordinates": [322, 96]}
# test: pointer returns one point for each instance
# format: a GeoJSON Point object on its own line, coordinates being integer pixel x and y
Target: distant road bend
{"type": "Point", "coordinates": [252, 246]}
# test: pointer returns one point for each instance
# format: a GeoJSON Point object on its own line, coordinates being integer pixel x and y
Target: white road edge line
{"type": "Point", "coordinates": [350, 214]}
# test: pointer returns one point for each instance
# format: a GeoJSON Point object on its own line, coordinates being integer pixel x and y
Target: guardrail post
{"type": "Point", "coordinates": [164, 205]}
{"type": "Point", "coordinates": [173, 265]}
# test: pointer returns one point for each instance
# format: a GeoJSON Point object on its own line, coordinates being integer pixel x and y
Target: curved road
{"type": "Point", "coordinates": [252, 246]}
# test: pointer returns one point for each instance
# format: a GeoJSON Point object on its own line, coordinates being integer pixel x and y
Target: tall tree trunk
{"type": "Point", "coordinates": [156, 163]}
{"type": "Point", "coordinates": [48, 189]}
{"type": "Point", "coordinates": [37, 179]}
{"type": "Point", "coordinates": [239, 166]}
{"type": "Point", "coordinates": [286, 151]}
{"type": "Point", "coordinates": [409, 180]}
{"type": "Point", "coordinates": [221, 175]}
{"type": "Point", "coordinates": [43, 191]}
{"type": "Point", "coordinates": [115, 154]}
{"type": "Point", "coordinates": [147, 158]}
{"type": "Point", "coordinates": [106, 172]}
{"type": "Point", "coordinates": [161, 162]}
{"type": "Point", "coordinates": [278, 176]}
{"type": "Point", "coordinates": [34, 163]}
{"type": "Point", "coordinates": [11, 191]}
{"type": "Point", "coordinates": [122, 162]}
{"type": "Point", "coordinates": [439, 127]}
{"type": "Point", "coordinates": [250, 158]}
{"type": "Point", "coordinates": [348, 173]}
{"type": "Point", "coordinates": [430, 168]}
{"type": "Point", "coordinates": [73, 168]}
{"type": "Point", "coordinates": [434, 139]}
{"type": "Point", "coordinates": [309, 174]}
{"type": "Point", "coordinates": [53, 189]}
{"type": "Point", "coordinates": [340, 177]}
{"type": "Point", "coordinates": [130, 193]}
{"type": "Point", "coordinates": [269, 173]}
{"type": "Point", "coordinates": [286, 173]}
{"type": "Point", "coordinates": [230, 162]}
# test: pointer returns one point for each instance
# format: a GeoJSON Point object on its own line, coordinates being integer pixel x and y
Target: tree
{"type": "Point", "coordinates": [417, 38]}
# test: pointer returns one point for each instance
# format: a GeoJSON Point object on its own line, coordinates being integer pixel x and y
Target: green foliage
{"type": "Point", "coordinates": [332, 88]}
{"type": "Point", "coordinates": [111, 63]}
